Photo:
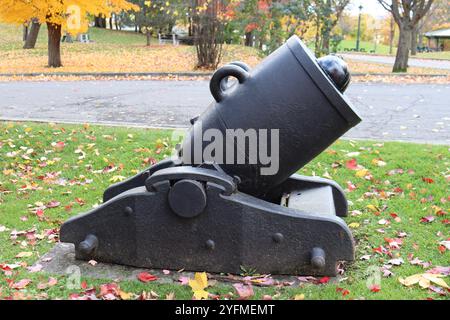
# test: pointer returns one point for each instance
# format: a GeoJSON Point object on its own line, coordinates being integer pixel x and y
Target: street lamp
{"type": "Point", "coordinates": [359, 28]}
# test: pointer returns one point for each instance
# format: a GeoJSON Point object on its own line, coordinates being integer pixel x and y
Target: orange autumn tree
{"type": "Point", "coordinates": [60, 15]}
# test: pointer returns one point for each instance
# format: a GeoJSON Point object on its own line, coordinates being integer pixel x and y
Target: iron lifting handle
{"type": "Point", "coordinates": [231, 70]}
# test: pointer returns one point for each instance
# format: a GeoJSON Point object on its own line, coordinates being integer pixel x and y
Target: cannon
{"type": "Point", "coordinates": [219, 205]}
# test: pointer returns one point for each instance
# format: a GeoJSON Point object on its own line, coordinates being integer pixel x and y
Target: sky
{"type": "Point", "coordinates": [369, 6]}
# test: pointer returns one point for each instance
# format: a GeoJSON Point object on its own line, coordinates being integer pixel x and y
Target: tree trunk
{"type": "Point", "coordinates": [111, 23]}
{"type": "Point", "coordinates": [25, 33]}
{"type": "Point", "coordinates": [317, 38]}
{"type": "Point", "coordinates": [404, 44]}
{"type": "Point", "coordinates": [54, 45]}
{"type": "Point", "coordinates": [32, 36]}
{"type": "Point", "coordinates": [414, 35]}
{"type": "Point", "coordinates": [249, 39]}
{"type": "Point", "coordinates": [149, 38]}
{"type": "Point", "coordinates": [100, 22]}
{"type": "Point", "coordinates": [391, 35]}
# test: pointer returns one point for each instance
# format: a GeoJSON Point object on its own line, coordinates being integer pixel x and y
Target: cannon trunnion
{"type": "Point", "coordinates": [219, 217]}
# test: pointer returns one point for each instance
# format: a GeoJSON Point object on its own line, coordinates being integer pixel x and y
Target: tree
{"type": "Point", "coordinates": [407, 14]}
{"type": "Point", "coordinates": [59, 15]}
{"type": "Point", "coordinates": [438, 17]}
{"type": "Point", "coordinates": [207, 26]}
{"type": "Point", "coordinates": [158, 16]}
{"type": "Point", "coordinates": [31, 38]}
{"type": "Point", "coordinates": [330, 12]}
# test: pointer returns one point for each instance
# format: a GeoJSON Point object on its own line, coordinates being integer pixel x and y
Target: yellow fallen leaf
{"type": "Point", "coordinates": [24, 254]}
{"type": "Point", "coordinates": [353, 225]}
{"type": "Point", "coordinates": [424, 280]}
{"type": "Point", "coordinates": [124, 295]}
{"type": "Point", "coordinates": [117, 178]}
{"type": "Point", "coordinates": [373, 208]}
{"type": "Point", "coordinates": [361, 173]}
{"type": "Point", "coordinates": [424, 283]}
{"type": "Point", "coordinates": [436, 278]}
{"type": "Point", "coordinates": [198, 285]}
{"type": "Point", "coordinates": [411, 280]}
{"type": "Point", "coordinates": [299, 297]}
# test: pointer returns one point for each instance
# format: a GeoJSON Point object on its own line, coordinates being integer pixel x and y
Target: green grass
{"type": "Point", "coordinates": [366, 45]}
{"type": "Point", "coordinates": [126, 149]}
{"type": "Point", "coordinates": [384, 50]}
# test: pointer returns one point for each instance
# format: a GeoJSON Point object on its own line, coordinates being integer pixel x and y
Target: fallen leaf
{"type": "Point", "coordinates": [199, 284]}
{"type": "Point", "coordinates": [375, 288]}
{"type": "Point", "coordinates": [324, 280]}
{"type": "Point", "coordinates": [244, 291]}
{"type": "Point", "coordinates": [35, 268]}
{"type": "Point", "coordinates": [146, 277]}
{"type": "Point", "coordinates": [24, 254]}
{"type": "Point", "coordinates": [22, 284]}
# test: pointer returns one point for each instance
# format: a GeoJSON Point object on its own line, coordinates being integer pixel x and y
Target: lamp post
{"type": "Point", "coordinates": [359, 28]}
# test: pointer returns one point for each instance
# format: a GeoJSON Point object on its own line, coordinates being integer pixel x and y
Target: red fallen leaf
{"type": "Point", "coordinates": [442, 249]}
{"type": "Point", "coordinates": [324, 280]}
{"type": "Point", "coordinates": [345, 292]}
{"type": "Point", "coordinates": [59, 145]}
{"type": "Point", "coordinates": [109, 289]}
{"type": "Point", "coordinates": [146, 277]}
{"type": "Point", "coordinates": [428, 180]}
{"type": "Point", "coordinates": [83, 285]}
{"type": "Point", "coordinates": [398, 190]}
{"type": "Point", "coordinates": [396, 217]}
{"type": "Point", "coordinates": [440, 213]}
{"type": "Point", "coordinates": [427, 219]}
{"type": "Point", "coordinates": [375, 288]}
{"type": "Point", "coordinates": [244, 291]}
{"type": "Point", "coordinates": [53, 204]}
{"type": "Point", "coordinates": [40, 213]}
{"type": "Point", "coordinates": [394, 243]}
{"type": "Point", "coordinates": [351, 164]}
{"type": "Point", "coordinates": [440, 270]}
{"type": "Point", "coordinates": [446, 221]}
{"type": "Point", "coordinates": [80, 201]}
{"type": "Point", "coordinates": [350, 186]}
{"type": "Point", "coordinates": [22, 284]}
{"type": "Point", "coordinates": [437, 290]}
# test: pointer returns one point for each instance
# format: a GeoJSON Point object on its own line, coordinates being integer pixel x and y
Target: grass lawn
{"type": "Point", "coordinates": [63, 169]}
{"type": "Point", "coordinates": [110, 51]}
{"type": "Point", "coordinates": [384, 50]}
{"type": "Point", "coordinates": [366, 45]}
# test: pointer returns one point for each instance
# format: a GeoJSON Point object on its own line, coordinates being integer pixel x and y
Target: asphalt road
{"type": "Point", "coordinates": [412, 62]}
{"type": "Point", "coordinates": [413, 112]}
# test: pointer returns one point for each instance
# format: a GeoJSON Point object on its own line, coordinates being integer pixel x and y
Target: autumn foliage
{"type": "Point", "coordinates": [60, 16]}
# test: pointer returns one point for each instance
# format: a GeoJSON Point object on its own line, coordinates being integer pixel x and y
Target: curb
{"type": "Point", "coordinates": [187, 74]}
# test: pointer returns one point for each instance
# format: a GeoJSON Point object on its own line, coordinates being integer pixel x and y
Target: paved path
{"type": "Point", "coordinates": [419, 113]}
{"type": "Point", "coordinates": [413, 62]}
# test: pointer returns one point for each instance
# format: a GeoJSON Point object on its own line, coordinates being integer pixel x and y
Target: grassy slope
{"type": "Point", "coordinates": [122, 148]}
{"type": "Point", "coordinates": [110, 51]}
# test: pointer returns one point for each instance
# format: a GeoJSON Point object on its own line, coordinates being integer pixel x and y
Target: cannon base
{"type": "Point", "coordinates": [179, 217]}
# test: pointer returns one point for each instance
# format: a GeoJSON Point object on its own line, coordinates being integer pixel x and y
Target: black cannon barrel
{"type": "Point", "coordinates": [289, 91]}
